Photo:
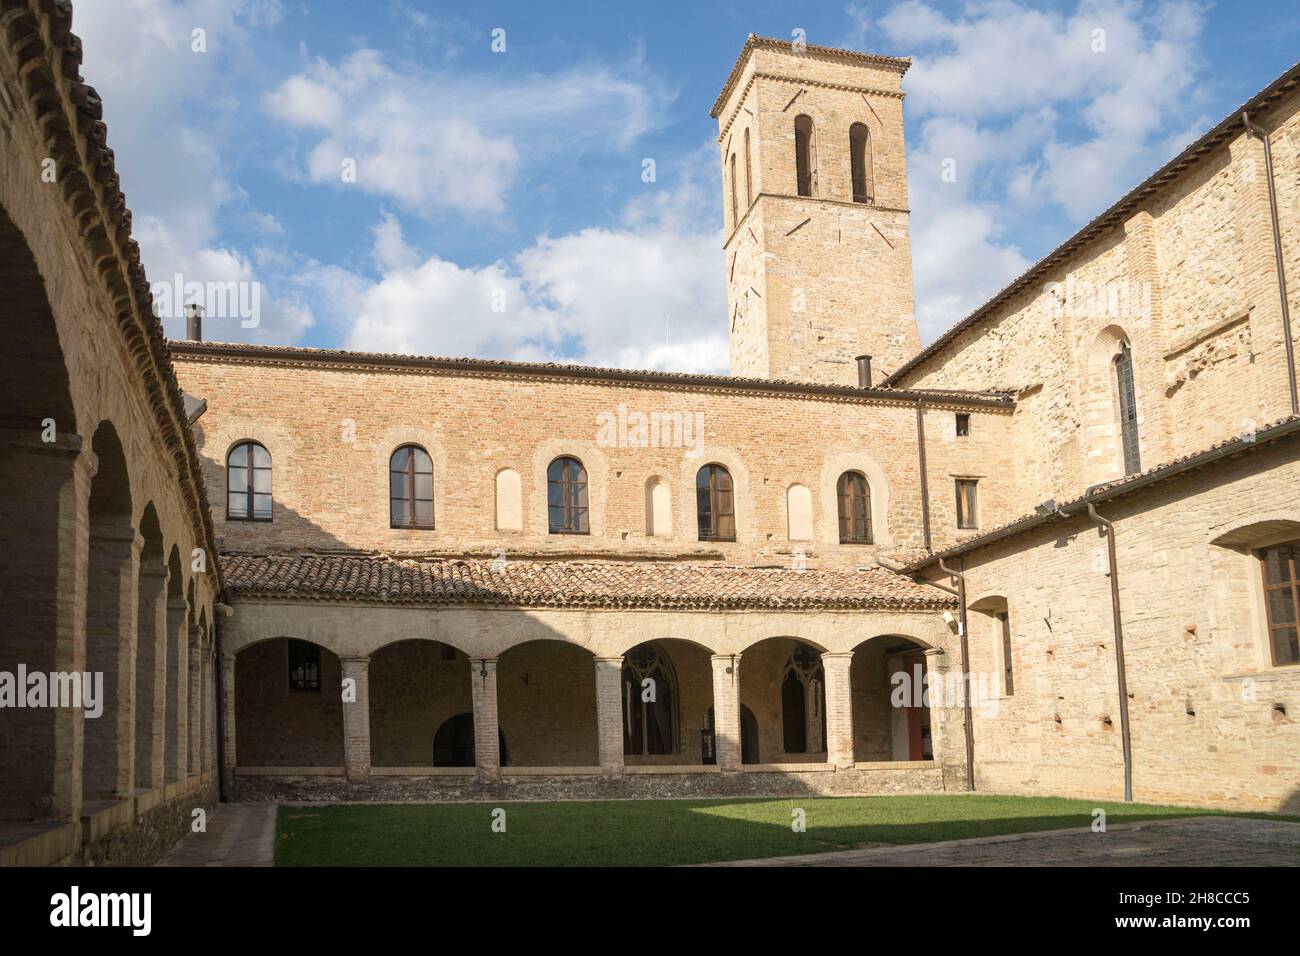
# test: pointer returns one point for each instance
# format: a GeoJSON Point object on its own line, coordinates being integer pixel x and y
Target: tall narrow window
{"type": "Point", "coordinates": [304, 665]}
{"type": "Point", "coordinates": [1004, 628]}
{"type": "Point", "coordinates": [860, 160]}
{"type": "Point", "coordinates": [967, 505]}
{"type": "Point", "coordinates": [248, 483]}
{"type": "Point", "coordinates": [566, 497]}
{"type": "Point", "coordinates": [749, 173]}
{"type": "Point", "coordinates": [805, 156]}
{"type": "Point", "coordinates": [649, 714]}
{"type": "Point", "coordinates": [855, 509]}
{"type": "Point", "coordinates": [735, 214]}
{"type": "Point", "coordinates": [715, 504]}
{"type": "Point", "coordinates": [1281, 565]}
{"type": "Point", "coordinates": [410, 488]}
{"type": "Point", "coordinates": [1128, 426]}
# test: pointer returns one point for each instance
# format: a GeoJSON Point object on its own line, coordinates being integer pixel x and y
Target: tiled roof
{"type": "Point", "coordinates": [299, 355]}
{"type": "Point", "coordinates": [1105, 491]}
{"type": "Point", "coordinates": [370, 577]}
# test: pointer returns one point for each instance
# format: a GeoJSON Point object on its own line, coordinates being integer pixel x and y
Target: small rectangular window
{"type": "Point", "coordinates": [967, 509]}
{"type": "Point", "coordinates": [1280, 565]}
{"type": "Point", "coordinates": [1008, 684]}
{"type": "Point", "coordinates": [304, 665]}
{"type": "Point", "coordinates": [963, 425]}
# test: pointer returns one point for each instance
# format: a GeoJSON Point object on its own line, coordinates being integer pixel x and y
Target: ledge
{"type": "Point", "coordinates": [898, 765]}
{"type": "Point", "coordinates": [788, 767]}
{"type": "Point", "coordinates": [36, 844]}
{"type": "Point", "coordinates": [290, 772]}
{"type": "Point", "coordinates": [552, 771]}
{"type": "Point", "coordinates": [651, 769]}
{"type": "Point", "coordinates": [101, 817]}
{"type": "Point", "coordinates": [423, 771]}
{"type": "Point", "coordinates": [146, 799]}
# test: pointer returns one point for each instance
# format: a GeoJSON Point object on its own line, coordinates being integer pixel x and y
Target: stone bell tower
{"type": "Point", "coordinates": [818, 254]}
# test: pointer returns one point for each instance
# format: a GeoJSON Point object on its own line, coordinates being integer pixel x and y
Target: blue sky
{"type": "Point", "coordinates": [498, 207]}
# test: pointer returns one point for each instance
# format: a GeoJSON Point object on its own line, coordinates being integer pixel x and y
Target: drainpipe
{"type": "Point", "coordinates": [1277, 254]}
{"type": "Point", "coordinates": [925, 481]}
{"type": "Point", "coordinates": [1126, 741]}
{"type": "Point", "coordinates": [965, 671]}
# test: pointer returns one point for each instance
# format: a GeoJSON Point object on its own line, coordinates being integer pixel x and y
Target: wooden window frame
{"type": "Point", "coordinates": [409, 498]}
{"type": "Point", "coordinates": [573, 513]}
{"type": "Point", "coordinates": [1126, 407]}
{"type": "Point", "coordinates": [250, 476]}
{"type": "Point", "coordinates": [715, 507]}
{"type": "Point", "coordinates": [962, 425]}
{"type": "Point", "coordinates": [293, 687]}
{"type": "Point", "coordinates": [967, 521]}
{"type": "Point", "coordinates": [1289, 583]}
{"type": "Point", "coordinates": [867, 536]}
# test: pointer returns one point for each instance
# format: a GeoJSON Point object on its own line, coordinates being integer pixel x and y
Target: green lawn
{"type": "Point", "coordinates": [664, 832]}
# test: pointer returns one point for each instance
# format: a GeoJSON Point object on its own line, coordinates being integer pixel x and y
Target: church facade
{"type": "Point", "coordinates": [1054, 552]}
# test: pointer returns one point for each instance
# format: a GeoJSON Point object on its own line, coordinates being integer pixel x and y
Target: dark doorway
{"type": "Point", "coordinates": [748, 736]}
{"type": "Point", "coordinates": [453, 744]}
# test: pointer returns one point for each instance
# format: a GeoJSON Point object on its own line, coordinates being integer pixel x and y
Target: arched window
{"type": "Point", "coordinates": [410, 488]}
{"type": "Point", "coordinates": [805, 156]}
{"type": "Point", "coordinates": [715, 504]}
{"type": "Point", "coordinates": [855, 508]}
{"type": "Point", "coordinates": [1128, 426]}
{"type": "Point", "coordinates": [860, 159]}
{"type": "Point", "coordinates": [248, 483]}
{"type": "Point", "coordinates": [803, 702]}
{"type": "Point", "coordinates": [735, 214]}
{"type": "Point", "coordinates": [749, 172]}
{"type": "Point", "coordinates": [566, 497]}
{"type": "Point", "coordinates": [649, 709]}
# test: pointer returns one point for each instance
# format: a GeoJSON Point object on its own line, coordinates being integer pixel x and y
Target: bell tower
{"type": "Point", "coordinates": [814, 178]}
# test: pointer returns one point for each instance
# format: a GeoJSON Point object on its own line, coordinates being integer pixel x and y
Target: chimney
{"type": "Point", "coordinates": [194, 322]}
{"type": "Point", "coordinates": [864, 371]}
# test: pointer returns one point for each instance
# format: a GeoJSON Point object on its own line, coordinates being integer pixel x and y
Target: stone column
{"type": "Point", "coordinates": [487, 739]}
{"type": "Point", "coordinates": [177, 689]}
{"type": "Point", "coordinates": [196, 675]}
{"type": "Point", "coordinates": [356, 720]}
{"type": "Point", "coordinates": [228, 762]}
{"type": "Point", "coordinates": [150, 675]}
{"type": "Point", "coordinates": [609, 713]}
{"type": "Point", "coordinates": [839, 709]}
{"type": "Point", "coordinates": [726, 710]}
{"type": "Point", "coordinates": [205, 708]}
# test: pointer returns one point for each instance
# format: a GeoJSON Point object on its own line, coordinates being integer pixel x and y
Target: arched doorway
{"type": "Point", "coordinates": [453, 743]}
{"type": "Point", "coordinates": [891, 715]}
{"type": "Point", "coordinates": [546, 702]}
{"type": "Point", "coordinates": [288, 709]}
{"type": "Point", "coordinates": [783, 684]}
{"type": "Point", "coordinates": [667, 696]}
{"type": "Point", "coordinates": [416, 686]}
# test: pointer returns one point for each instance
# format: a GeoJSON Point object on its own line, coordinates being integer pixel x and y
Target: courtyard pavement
{"type": "Point", "coordinates": [238, 834]}
{"type": "Point", "coordinates": [1192, 841]}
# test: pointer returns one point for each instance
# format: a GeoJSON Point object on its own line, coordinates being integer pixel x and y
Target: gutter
{"type": "Point", "coordinates": [1279, 262]}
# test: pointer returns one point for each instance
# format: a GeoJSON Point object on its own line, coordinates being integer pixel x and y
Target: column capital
{"type": "Point", "coordinates": [837, 656]}
{"type": "Point", "coordinates": [609, 659]}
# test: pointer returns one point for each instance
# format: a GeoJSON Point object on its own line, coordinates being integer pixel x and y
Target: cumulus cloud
{"type": "Point", "coordinates": [440, 141]}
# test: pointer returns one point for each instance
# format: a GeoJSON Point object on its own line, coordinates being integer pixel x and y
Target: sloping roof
{"type": "Point", "coordinates": [1229, 127]}
{"type": "Point", "coordinates": [295, 355]}
{"type": "Point", "coordinates": [753, 41]}
{"type": "Point", "coordinates": [371, 577]}
{"type": "Point", "coordinates": [1108, 491]}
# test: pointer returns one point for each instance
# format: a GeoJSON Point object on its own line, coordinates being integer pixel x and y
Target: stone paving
{"type": "Point", "coordinates": [1194, 841]}
{"type": "Point", "coordinates": [238, 834]}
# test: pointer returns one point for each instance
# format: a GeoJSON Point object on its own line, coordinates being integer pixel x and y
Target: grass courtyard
{"type": "Point", "coordinates": [665, 832]}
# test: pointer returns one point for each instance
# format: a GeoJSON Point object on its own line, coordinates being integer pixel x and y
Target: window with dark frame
{"type": "Point", "coordinates": [804, 163]}
{"type": "Point", "coordinates": [566, 497]}
{"type": "Point", "coordinates": [304, 665]}
{"type": "Point", "coordinates": [248, 483]}
{"type": "Point", "coordinates": [860, 161]}
{"type": "Point", "coordinates": [963, 425]}
{"type": "Point", "coordinates": [1128, 425]}
{"type": "Point", "coordinates": [1280, 564]}
{"type": "Point", "coordinates": [410, 488]}
{"type": "Point", "coordinates": [855, 508]}
{"type": "Point", "coordinates": [715, 504]}
{"type": "Point", "coordinates": [1004, 624]}
{"type": "Point", "coordinates": [967, 505]}
{"type": "Point", "coordinates": [649, 726]}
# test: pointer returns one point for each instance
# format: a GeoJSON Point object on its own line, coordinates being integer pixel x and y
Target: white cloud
{"type": "Point", "coordinates": [441, 140]}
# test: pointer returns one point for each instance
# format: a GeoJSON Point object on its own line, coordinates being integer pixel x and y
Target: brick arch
{"type": "Point", "coordinates": [546, 701]}
{"type": "Point", "coordinates": [276, 726]}
{"type": "Point", "coordinates": [1104, 453]}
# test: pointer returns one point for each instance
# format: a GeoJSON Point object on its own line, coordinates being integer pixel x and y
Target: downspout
{"type": "Point", "coordinates": [1259, 132]}
{"type": "Point", "coordinates": [1126, 741]}
{"type": "Point", "coordinates": [925, 481]}
{"type": "Point", "coordinates": [965, 671]}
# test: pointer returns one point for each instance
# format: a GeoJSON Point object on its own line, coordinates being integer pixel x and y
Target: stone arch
{"type": "Point", "coordinates": [174, 681]}
{"type": "Point", "coordinates": [415, 686]}
{"type": "Point", "coordinates": [39, 516]}
{"type": "Point", "coordinates": [111, 609]}
{"type": "Point", "coordinates": [668, 729]}
{"type": "Point", "coordinates": [278, 724]}
{"type": "Point", "coordinates": [764, 668]}
{"type": "Point", "coordinates": [546, 703]}
{"type": "Point", "coordinates": [150, 653]}
{"type": "Point", "coordinates": [862, 180]}
{"type": "Point", "coordinates": [881, 730]}
{"type": "Point", "coordinates": [805, 155]}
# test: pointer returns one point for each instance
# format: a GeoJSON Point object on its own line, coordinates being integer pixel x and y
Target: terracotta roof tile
{"type": "Point", "coordinates": [370, 577]}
